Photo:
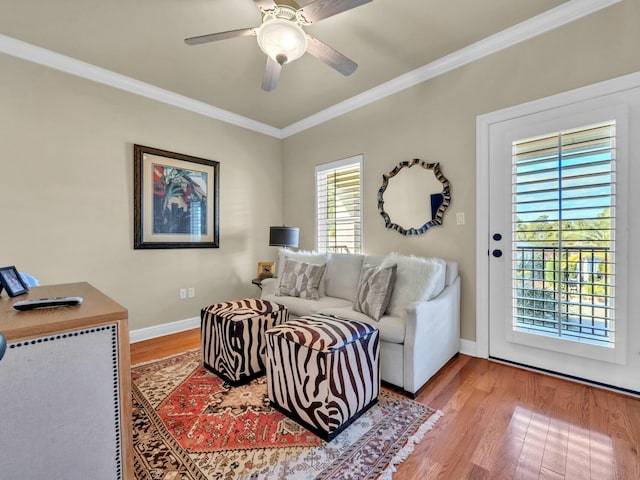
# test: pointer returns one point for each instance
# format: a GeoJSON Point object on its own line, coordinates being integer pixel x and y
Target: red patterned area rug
{"type": "Point", "coordinates": [190, 425]}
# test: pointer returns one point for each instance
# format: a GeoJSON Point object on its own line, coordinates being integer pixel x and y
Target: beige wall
{"type": "Point", "coordinates": [66, 168]}
{"type": "Point", "coordinates": [436, 121]}
{"type": "Point", "coordinates": [66, 193]}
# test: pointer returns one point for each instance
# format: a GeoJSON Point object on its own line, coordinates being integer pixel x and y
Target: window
{"type": "Point", "coordinates": [564, 211]}
{"type": "Point", "coordinates": [339, 206]}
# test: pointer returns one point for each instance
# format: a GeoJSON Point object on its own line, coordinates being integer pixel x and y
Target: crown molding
{"type": "Point", "coordinates": [544, 22]}
{"type": "Point", "coordinates": [63, 63]}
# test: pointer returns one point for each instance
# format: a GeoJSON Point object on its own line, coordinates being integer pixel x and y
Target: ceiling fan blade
{"type": "Point", "coordinates": [321, 9]}
{"type": "Point", "coordinates": [331, 57]}
{"type": "Point", "coordinates": [271, 75]}
{"type": "Point", "coordinates": [214, 37]}
{"type": "Point", "coordinates": [265, 4]}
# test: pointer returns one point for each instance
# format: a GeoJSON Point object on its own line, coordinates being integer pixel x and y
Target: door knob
{"type": "Point", "coordinates": [497, 253]}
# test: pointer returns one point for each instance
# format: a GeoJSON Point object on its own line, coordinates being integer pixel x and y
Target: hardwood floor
{"type": "Point", "coordinates": [161, 347]}
{"type": "Point", "coordinates": [501, 422]}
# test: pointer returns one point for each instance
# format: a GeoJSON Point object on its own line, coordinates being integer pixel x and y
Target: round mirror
{"type": "Point", "coordinates": [416, 199]}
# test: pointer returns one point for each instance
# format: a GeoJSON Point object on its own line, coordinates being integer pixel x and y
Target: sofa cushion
{"type": "Point", "coordinates": [417, 280]}
{"type": "Point", "coordinates": [373, 260]}
{"type": "Point", "coordinates": [300, 279]}
{"type": "Point", "coordinates": [374, 290]}
{"type": "Point", "coordinates": [343, 272]}
{"type": "Point", "coordinates": [313, 258]}
{"type": "Point", "coordinates": [299, 307]}
{"type": "Point", "coordinates": [392, 329]}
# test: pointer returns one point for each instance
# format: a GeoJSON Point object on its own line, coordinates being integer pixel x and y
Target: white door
{"type": "Point", "coordinates": [557, 259]}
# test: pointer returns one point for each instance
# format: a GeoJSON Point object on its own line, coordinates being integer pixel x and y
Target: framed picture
{"type": "Point", "coordinates": [12, 282]}
{"type": "Point", "coordinates": [265, 270]}
{"type": "Point", "coordinates": [175, 200]}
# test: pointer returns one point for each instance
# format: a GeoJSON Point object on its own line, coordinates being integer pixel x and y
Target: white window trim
{"type": "Point", "coordinates": [483, 126]}
{"type": "Point", "coordinates": [333, 166]}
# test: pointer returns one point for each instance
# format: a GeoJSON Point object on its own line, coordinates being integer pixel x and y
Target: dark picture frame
{"type": "Point", "coordinates": [176, 200]}
{"type": "Point", "coordinates": [12, 282]}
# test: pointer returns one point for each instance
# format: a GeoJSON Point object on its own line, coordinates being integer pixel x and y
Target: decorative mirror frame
{"type": "Point", "coordinates": [437, 218]}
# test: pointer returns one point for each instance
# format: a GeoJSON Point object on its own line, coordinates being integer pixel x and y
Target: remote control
{"type": "Point", "coordinates": [47, 303]}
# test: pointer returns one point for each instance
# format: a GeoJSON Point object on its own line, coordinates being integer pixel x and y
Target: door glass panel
{"type": "Point", "coordinates": [563, 210]}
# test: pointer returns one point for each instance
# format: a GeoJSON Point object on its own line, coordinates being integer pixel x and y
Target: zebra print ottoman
{"type": "Point", "coordinates": [323, 371]}
{"type": "Point", "coordinates": [232, 337]}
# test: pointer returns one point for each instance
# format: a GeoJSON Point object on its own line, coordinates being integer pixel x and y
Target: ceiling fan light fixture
{"type": "Point", "coordinates": [283, 40]}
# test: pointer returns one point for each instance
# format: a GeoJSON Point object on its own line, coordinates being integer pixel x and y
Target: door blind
{"type": "Point", "coordinates": [563, 247]}
{"type": "Point", "coordinates": [338, 206]}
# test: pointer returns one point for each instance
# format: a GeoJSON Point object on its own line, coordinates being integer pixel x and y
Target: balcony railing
{"type": "Point", "coordinates": [564, 292]}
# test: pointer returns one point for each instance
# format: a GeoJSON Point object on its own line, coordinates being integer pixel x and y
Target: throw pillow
{"type": "Point", "coordinates": [417, 280]}
{"type": "Point", "coordinates": [374, 290]}
{"type": "Point", "coordinates": [314, 258]}
{"type": "Point", "coordinates": [300, 279]}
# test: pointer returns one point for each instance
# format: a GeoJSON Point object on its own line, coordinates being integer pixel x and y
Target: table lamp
{"type": "Point", "coordinates": [284, 236]}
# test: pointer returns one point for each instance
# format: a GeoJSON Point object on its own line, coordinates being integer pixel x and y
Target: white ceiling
{"type": "Point", "coordinates": [143, 40]}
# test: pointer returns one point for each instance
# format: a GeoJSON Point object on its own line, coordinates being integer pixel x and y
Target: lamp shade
{"type": "Point", "coordinates": [284, 236]}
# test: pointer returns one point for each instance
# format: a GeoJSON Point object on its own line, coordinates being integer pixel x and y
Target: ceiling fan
{"type": "Point", "coordinates": [282, 38]}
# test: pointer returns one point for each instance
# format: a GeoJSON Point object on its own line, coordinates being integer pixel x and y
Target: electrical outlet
{"type": "Point", "coordinates": [192, 292]}
{"type": "Point", "coordinates": [183, 293]}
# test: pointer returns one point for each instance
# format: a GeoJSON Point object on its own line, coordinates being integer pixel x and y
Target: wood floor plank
{"type": "Point", "coordinates": [602, 457]}
{"type": "Point", "coordinates": [478, 473]}
{"type": "Point", "coordinates": [419, 467]}
{"type": "Point", "coordinates": [602, 413]}
{"type": "Point", "coordinates": [555, 451]}
{"type": "Point", "coordinates": [627, 464]}
{"type": "Point", "coordinates": [485, 453]}
{"type": "Point", "coordinates": [470, 425]}
{"type": "Point", "coordinates": [510, 447]}
{"type": "Point", "coordinates": [578, 453]}
{"type": "Point", "coordinates": [554, 458]}
{"type": "Point", "coordinates": [546, 474]}
{"type": "Point", "coordinates": [530, 460]}
{"type": "Point", "coordinates": [502, 422]}
{"type": "Point", "coordinates": [159, 347]}
{"type": "Point", "coordinates": [442, 381]}
{"type": "Point", "coordinates": [624, 446]}
{"type": "Point", "coordinates": [457, 389]}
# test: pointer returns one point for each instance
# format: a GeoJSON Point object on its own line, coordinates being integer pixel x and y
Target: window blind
{"type": "Point", "coordinates": [338, 206]}
{"type": "Point", "coordinates": [563, 208]}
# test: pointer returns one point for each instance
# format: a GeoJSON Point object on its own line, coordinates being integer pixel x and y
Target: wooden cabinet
{"type": "Point", "coordinates": [65, 388]}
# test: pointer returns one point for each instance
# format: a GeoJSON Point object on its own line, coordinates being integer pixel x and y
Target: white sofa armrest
{"type": "Point", "coordinates": [269, 286]}
{"type": "Point", "coordinates": [432, 336]}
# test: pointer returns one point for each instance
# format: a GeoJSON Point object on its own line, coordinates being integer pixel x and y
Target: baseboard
{"type": "Point", "coordinates": [467, 347]}
{"type": "Point", "coordinates": [165, 329]}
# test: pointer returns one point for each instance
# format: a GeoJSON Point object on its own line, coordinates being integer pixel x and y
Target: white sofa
{"type": "Point", "coordinates": [414, 344]}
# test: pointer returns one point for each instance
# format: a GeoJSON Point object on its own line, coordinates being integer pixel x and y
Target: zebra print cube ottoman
{"type": "Point", "coordinates": [323, 371]}
{"type": "Point", "coordinates": [232, 337]}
